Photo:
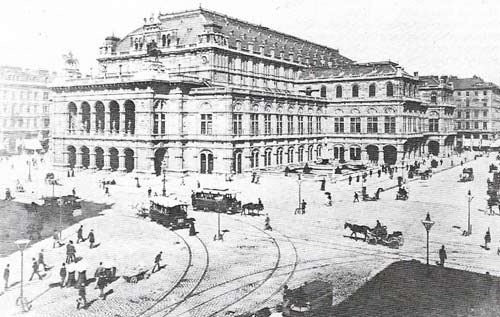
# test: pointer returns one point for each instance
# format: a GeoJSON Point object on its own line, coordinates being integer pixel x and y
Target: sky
{"type": "Point", "coordinates": [460, 37]}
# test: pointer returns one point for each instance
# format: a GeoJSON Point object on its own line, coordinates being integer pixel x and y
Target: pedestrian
{"type": "Point", "coordinates": [70, 252]}
{"type": "Point", "coordinates": [441, 161]}
{"type": "Point", "coordinates": [41, 260]}
{"type": "Point", "coordinates": [56, 237]}
{"type": "Point", "coordinates": [356, 197]}
{"type": "Point", "coordinates": [149, 192]}
{"type": "Point", "coordinates": [461, 163]}
{"type": "Point", "coordinates": [254, 174]}
{"type": "Point", "coordinates": [267, 223]}
{"type": "Point", "coordinates": [379, 172]}
{"type": "Point", "coordinates": [442, 255]}
{"type": "Point", "coordinates": [69, 173]}
{"type": "Point", "coordinates": [73, 191]}
{"type": "Point", "coordinates": [350, 179]}
{"type": "Point", "coordinates": [106, 191]}
{"type": "Point", "coordinates": [157, 262]}
{"type": "Point", "coordinates": [62, 274]}
{"type": "Point", "coordinates": [304, 204]}
{"type": "Point", "coordinates": [34, 266]}
{"type": "Point", "coordinates": [371, 173]}
{"type": "Point", "coordinates": [323, 182]}
{"type": "Point", "coordinates": [72, 172]}
{"type": "Point", "coordinates": [81, 302]}
{"type": "Point", "coordinates": [80, 235]}
{"type": "Point", "coordinates": [198, 184]}
{"type": "Point", "coordinates": [329, 199]}
{"type": "Point", "coordinates": [101, 280]}
{"type": "Point", "coordinates": [6, 274]}
{"type": "Point", "coordinates": [357, 178]}
{"type": "Point", "coordinates": [192, 229]}
{"type": "Point", "coordinates": [91, 238]}
{"type": "Point", "coordinates": [487, 239]}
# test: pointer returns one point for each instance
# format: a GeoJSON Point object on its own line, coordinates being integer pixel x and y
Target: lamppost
{"type": "Point", "coordinates": [428, 225]}
{"type": "Point", "coordinates": [219, 203]}
{"type": "Point", "coordinates": [469, 200]}
{"type": "Point", "coordinates": [29, 171]}
{"type": "Point", "coordinates": [300, 191]}
{"type": "Point", "coordinates": [164, 190]}
{"type": "Point", "coordinates": [21, 300]}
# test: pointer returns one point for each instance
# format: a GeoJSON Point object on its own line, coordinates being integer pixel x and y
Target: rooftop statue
{"type": "Point", "coordinates": [70, 60]}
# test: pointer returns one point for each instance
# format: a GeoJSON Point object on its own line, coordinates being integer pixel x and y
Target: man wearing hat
{"type": "Point", "coordinates": [91, 238]}
{"type": "Point", "coordinates": [157, 262]}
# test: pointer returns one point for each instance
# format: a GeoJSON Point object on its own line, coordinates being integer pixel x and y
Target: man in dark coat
{"type": "Point", "coordinates": [6, 274]}
{"type": "Point", "coordinates": [487, 239]}
{"type": "Point", "coordinates": [81, 302]}
{"type": "Point", "coordinates": [79, 234]}
{"type": "Point", "coordinates": [303, 205]}
{"type": "Point", "coordinates": [70, 252]}
{"type": "Point", "coordinates": [35, 269]}
{"type": "Point", "coordinates": [62, 274]}
{"type": "Point", "coordinates": [350, 179]}
{"type": "Point", "coordinates": [442, 255]}
{"type": "Point", "coordinates": [157, 262]}
{"type": "Point", "coordinates": [41, 260]}
{"type": "Point", "coordinates": [91, 238]}
{"type": "Point", "coordinates": [356, 197]}
{"type": "Point", "coordinates": [379, 172]}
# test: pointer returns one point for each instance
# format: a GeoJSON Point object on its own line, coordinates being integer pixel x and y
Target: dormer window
{"type": "Point", "coordinates": [433, 97]}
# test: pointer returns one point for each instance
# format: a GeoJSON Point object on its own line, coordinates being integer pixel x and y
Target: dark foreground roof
{"type": "Point", "coordinates": [405, 289]}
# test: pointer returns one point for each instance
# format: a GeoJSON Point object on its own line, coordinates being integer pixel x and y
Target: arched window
{"type": "Point", "coordinates": [323, 91]}
{"type": "Point", "coordinates": [355, 90]}
{"type": "Point", "coordinates": [389, 89]}
{"type": "Point", "coordinates": [338, 91]}
{"type": "Point", "coordinates": [371, 90]}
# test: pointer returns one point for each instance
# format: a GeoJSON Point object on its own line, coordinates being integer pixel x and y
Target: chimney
{"type": "Point", "coordinates": [415, 74]}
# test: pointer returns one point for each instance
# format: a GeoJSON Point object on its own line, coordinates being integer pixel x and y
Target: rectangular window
{"type": "Point", "coordinates": [355, 125]}
{"type": "Point", "coordinates": [466, 93]}
{"type": "Point", "coordinates": [309, 124]}
{"type": "Point", "coordinates": [46, 96]}
{"type": "Point", "coordinates": [433, 125]}
{"type": "Point", "coordinates": [338, 125]}
{"type": "Point", "coordinates": [467, 125]}
{"type": "Point", "coordinates": [459, 114]}
{"type": "Point", "coordinates": [267, 124]}
{"type": "Point", "coordinates": [467, 115]}
{"type": "Point", "coordinates": [155, 123]}
{"type": "Point", "coordinates": [318, 124]}
{"type": "Point", "coordinates": [485, 125]}
{"type": "Point", "coordinates": [459, 125]}
{"type": "Point", "coordinates": [279, 124]}
{"type": "Point", "coordinates": [254, 124]}
{"type": "Point", "coordinates": [390, 125]}
{"type": "Point", "coordinates": [476, 114]}
{"type": "Point", "coordinates": [237, 124]}
{"type": "Point", "coordinates": [485, 113]}
{"type": "Point", "coordinates": [289, 120]}
{"type": "Point", "coordinates": [163, 123]}
{"type": "Point", "coordinates": [476, 125]}
{"type": "Point", "coordinates": [301, 125]}
{"type": "Point", "coordinates": [372, 125]}
{"type": "Point", "coordinates": [206, 124]}
{"type": "Point", "coordinates": [485, 92]}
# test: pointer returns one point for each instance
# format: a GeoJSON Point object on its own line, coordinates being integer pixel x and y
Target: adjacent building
{"type": "Point", "coordinates": [24, 104]}
{"type": "Point", "coordinates": [478, 112]}
{"type": "Point", "coordinates": [200, 91]}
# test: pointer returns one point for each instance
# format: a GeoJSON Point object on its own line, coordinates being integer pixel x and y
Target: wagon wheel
{"type": "Point", "coordinates": [134, 280]}
{"type": "Point", "coordinates": [393, 243]}
{"type": "Point", "coordinates": [372, 240]}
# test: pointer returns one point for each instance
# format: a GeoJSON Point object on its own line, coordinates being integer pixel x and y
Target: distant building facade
{"type": "Point", "coordinates": [203, 92]}
{"type": "Point", "coordinates": [24, 104]}
{"type": "Point", "coordinates": [478, 111]}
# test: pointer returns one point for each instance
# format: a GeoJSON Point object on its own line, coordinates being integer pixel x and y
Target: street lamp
{"type": "Point", "coordinates": [29, 171]}
{"type": "Point", "coordinates": [300, 190]}
{"type": "Point", "coordinates": [428, 225]}
{"type": "Point", "coordinates": [21, 300]}
{"type": "Point", "coordinates": [219, 203]}
{"type": "Point", "coordinates": [469, 200]}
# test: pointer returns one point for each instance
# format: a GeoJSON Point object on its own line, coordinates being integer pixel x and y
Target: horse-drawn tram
{"type": "Point", "coordinates": [219, 200]}
{"type": "Point", "coordinates": [311, 299]}
{"type": "Point", "coordinates": [169, 212]}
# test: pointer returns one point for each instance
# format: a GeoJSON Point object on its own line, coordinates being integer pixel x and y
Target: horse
{"type": "Point", "coordinates": [251, 207]}
{"type": "Point", "coordinates": [357, 229]}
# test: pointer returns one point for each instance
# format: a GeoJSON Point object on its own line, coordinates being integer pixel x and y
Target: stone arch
{"type": "Point", "coordinates": [390, 154]}
{"type": "Point", "coordinates": [72, 116]}
{"type": "Point", "coordinates": [290, 154]}
{"type": "Point", "coordinates": [85, 108]}
{"type": "Point", "coordinates": [85, 156]}
{"type": "Point", "coordinates": [389, 89]}
{"type": "Point", "coordinates": [433, 147]}
{"type": "Point", "coordinates": [279, 156]}
{"type": "Point", "coordinates": [300, 154]}
{"type": "Point", "coordinates": [129, 107]}
{"type": "Point", "coordinates": [129, 160]}
{"type": "Point", "coordinates": [372, 152]}
{"type": "Point", "coordinates": [114, 161]}
{"type": "Point", "coordinates": [114, 116]}
{"type": "Point", "coordinates": [355, 152]}
{"type": "Point", "coordinates": [160, 160]}
{"type": "Point", "coordinates": [267, 156]}
{"type": "Point", "coordinates": [372, 90]}
{"type": "Point", "coordinates": [71, 156]}
{"type": "Point", "coordinates": [99, 117]}
{"type": "Point", "coordinates": [206, 162]}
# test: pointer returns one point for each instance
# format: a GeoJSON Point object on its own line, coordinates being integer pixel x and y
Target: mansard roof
{"type": "Point", "coordinates": [474, 82]}
{"type": "Point", "coordinates": [187, 25]}
{"type": "Point", "coordinates": [354, 71]}
{"type": "Point", "coordinates": [434, 81]}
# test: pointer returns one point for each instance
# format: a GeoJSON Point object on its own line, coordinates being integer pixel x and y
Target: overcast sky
{"type": "Point", "coordinates": [459, 37]}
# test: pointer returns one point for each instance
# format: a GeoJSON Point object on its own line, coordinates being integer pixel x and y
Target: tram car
{"type": "Point", "coordinates": [169, 212]}
{"type": "Point", "coordinates": [313, 299]}
{"type": "Point", "coordinates": [218, 200]}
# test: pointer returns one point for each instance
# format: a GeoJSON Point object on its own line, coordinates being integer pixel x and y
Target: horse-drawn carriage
{"type": "Point", "coordinates": [64, 204]}
{"type": "Point", "coordinates": [467, 175]}
{"type": "Point", "coordinates": [402, 194]}
{"type": "Point", "coordinates": [252, 209]}
{"type": "Point", "coordinates": [366, 197]}
{"type": "Point", "coordinates": [219, 200]}
{"type": "Point", "coordinates": [377, 235]}
{"type": "Point", "coordinates": [169, 212]}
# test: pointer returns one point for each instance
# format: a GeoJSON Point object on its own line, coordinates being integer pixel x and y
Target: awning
{"type": "Point", "coordinates": [495, 143]}
{"type": "Point", "coordinates": [32, 144]}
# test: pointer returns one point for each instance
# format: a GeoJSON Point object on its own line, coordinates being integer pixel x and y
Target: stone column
{"type": "Point", "coordinates": [79, 158]}
{"type": "Point", "coordinates": [381, 155]}
{"type": "Point", "coordinates": [123, 128]}
{"type": "Point", "coordinates": [107, 124]}
{"type": "Point", "coordinates": [92, 158]}
{"type": "Point", "coordinates": [92, 120]}
{"type": "Point", "coordinates": [121, 163]}
{"type": "Point", "coordinates": [106, 166]}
